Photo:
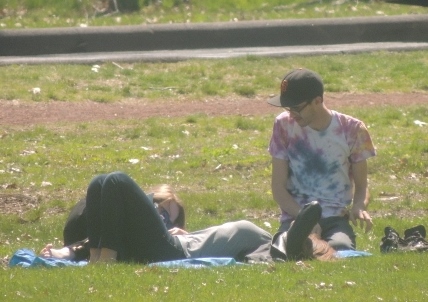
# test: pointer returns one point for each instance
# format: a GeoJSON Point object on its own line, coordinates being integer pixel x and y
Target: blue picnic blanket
{"type": "Point", "coordinates": [351, 253]}
{"type": "Point", "coordinates": [197, 262]}
{"type": "Point", "coordinates": [27, 258]}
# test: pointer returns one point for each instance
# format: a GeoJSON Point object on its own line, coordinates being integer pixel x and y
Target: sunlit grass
{"type": "Point", "coordinates": [221, 169]}
{"type": "Point", "coordinates": [187, 152]}
{"type": "Point", "coordinates": [219, 180]}
{"type": "Point", "coordinates": [46, 13]}
{"type": "Point", "coordinates": [381, 72]}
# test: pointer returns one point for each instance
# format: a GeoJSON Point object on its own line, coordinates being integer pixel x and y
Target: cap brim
{"type": "Point", "coordinates": [275, 101]}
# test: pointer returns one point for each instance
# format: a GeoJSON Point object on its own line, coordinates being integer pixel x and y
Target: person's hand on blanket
{"type": "Point", "coordinates": [177, 231]}
{"type": "Point", "coordinates": [63, 253]}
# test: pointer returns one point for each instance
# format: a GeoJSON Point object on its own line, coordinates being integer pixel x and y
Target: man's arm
{"type": "Point", "coordinates": [361, 196]}
{"type": "Point", "coordinates": [279, 190]}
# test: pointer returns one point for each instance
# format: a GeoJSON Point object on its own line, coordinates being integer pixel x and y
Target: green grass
{"type": "Point", "coordinates": [381, 72]}
{"type": "Point", "coordinates": [349, 281]}
{"type": "Point", "coordinates": [220, 168]}
{"type": "Point", "coordinates": [50, 13]}
{"type": "Point", "coordinates": [219, 180]}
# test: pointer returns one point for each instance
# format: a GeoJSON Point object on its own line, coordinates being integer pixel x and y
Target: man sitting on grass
{"type": "Point", "coordinates": [319, 154]}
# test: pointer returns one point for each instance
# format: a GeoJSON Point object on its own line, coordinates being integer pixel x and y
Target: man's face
{"type": "Point", "coordinates": [301, 113]}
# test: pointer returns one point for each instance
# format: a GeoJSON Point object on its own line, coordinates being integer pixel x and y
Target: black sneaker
{"type": "Point", "coordinates": [415, 239]}
{"type": "Point", "coordinates": [418, 230]}
{"type": "Point", "coordinates": [391, 241]}
{"type": "Point", "coordinates": [299, 231]}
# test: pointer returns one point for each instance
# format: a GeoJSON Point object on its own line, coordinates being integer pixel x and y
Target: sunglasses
{"type": "Point", "coordinates": [297, 109]}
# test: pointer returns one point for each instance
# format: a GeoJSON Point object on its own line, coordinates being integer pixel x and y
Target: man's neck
{"type": "Point", "coordinates": [323, 119]}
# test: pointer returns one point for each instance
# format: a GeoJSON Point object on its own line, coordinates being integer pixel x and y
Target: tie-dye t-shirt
{"type": "Point", "coordinates": [320, 161]}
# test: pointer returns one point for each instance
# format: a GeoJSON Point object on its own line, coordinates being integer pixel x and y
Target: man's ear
{"type": "Point", "coordinates": [319, 100]}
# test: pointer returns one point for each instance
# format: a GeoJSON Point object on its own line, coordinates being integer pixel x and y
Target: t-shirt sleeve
{"type": "Point", "coordinates": [361, 145]}
{"type": "Point", "coordinates": [278, 141]}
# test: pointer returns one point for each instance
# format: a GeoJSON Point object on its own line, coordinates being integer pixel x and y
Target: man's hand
{"type": "Point", "coordinates": [358, 213]}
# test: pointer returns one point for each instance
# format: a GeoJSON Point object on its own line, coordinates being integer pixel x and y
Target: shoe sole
{"type": "Point", "coordinates": [299, 231]}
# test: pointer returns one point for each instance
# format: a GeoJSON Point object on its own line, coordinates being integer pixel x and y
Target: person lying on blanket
{"type": "Point", "coordinates": [124, 225]}
{"type": "Point", "coordinates": [76, 243]}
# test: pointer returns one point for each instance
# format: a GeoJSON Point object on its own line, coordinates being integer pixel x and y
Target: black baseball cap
{"type": "Point", "coordinates": [298, 86]}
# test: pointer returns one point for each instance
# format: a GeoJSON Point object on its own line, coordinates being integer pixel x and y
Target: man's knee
{"type": "Point", "coordinates": [341, 241]}
{"type": "Point", "coordinates": [338, 233]}
{"type": "Point", "coordinates": [116, 177]}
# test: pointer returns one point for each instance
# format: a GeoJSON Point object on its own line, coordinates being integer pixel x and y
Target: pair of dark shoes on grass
{"type": "Point", "coordinates": [290, 245]}
{"type": "Point", "coordinates": [414, 240]}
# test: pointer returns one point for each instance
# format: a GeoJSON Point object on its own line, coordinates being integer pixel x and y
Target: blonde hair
{"type": "Point", "coordinates": [316, 248]}
{"type": "Point", "coordinates": [165, 193]}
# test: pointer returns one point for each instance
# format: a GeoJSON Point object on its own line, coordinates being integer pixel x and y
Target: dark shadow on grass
{"type": "Point", "coordinates": [410, 2]}
{"type": "Point", "coordinates": [404, 2]}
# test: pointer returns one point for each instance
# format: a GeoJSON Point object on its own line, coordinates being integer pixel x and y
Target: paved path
{"type": "Point", "coordinates": [218, 53]}
{"type": "Point", "coordinates": [174, 42]}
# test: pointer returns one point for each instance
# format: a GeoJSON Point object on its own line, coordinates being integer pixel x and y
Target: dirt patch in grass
{"type": "Point", "coordinates": [22, 113]}
{"type": "Point", "coordinates": [13, 203]}
{"type": "Point", "coordinates": [26, 114]}
{"type": "Point", "coordinates": [401, 213]}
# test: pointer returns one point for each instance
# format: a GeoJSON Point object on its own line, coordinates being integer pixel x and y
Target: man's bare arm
{"type": "Point", "coordinates": [361, 196]}
{"type": "Point", "coordinates": [279, 190]}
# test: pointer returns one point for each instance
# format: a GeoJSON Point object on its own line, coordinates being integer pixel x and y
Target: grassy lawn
{"type": "Point", "coordinates": [219, 179]}
{"type": "Point", "coordinates": [52, 13]}
{"type": "Point", "coordinates": [219, 165]}
{"type": "Point", "coordinates": [250, 76]}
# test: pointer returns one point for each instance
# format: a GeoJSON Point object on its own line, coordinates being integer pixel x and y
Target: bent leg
{"type": "Point", "coordinates": [285, 225]}
{"type": "Point", "coordinates": [130, 224]}
{"type": "Point", "coordinates": [93, 210]}
{"type": "Point", "coordinates": [75, 228]}
{"type": "Point", "coordinates": [93, 215]}
{"type": "Point", "coordinates": [299, 231]}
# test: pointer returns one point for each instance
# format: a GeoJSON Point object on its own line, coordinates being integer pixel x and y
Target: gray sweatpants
{"type": "Point", "coordinates": [232, 239]}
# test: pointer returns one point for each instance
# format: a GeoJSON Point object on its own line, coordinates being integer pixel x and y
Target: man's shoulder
{"type": "Point", "coordinates": [283, 115]}
{"type": "Point", "coordinates": [344, 116]}
{"type": "Point", "coordinates": [346, 119]}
